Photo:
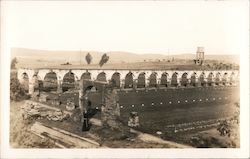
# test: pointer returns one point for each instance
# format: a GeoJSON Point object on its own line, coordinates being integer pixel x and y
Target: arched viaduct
{"type": "Point", "coordinates": [63, 79]}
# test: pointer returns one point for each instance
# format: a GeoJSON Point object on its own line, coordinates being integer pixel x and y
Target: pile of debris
{"type": "Point", "coordinates": [33, 110]}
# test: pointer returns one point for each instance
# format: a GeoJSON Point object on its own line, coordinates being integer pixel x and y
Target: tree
{"type": "Point", "coordinates": [17, 92]}
{"type": "Point", "coordinates": [104, 60]}
{"type": "Point", "coordinates": [88, 58]}
{"type": "Point", "coordinates": [13, 63]}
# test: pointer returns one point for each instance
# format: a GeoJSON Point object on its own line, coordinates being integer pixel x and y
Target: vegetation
{"type": "Point", "coordinates": [226, 127]}
{"type": "Point", "coordinates": [13, 63]}
{"type": "Point", "coordinates": [20, 134]}
{"type": "Point", "coordinates": [103, 60]}
{"type": "Point", "coordinates": [17, 92]}
{"type": "Point", "coordinates": [88, 58]}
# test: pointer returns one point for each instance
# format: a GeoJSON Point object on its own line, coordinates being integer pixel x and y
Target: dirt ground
{"type": "Point", "coordinates": [26, 139]}
{"type": "Point", "coordinates": [21, 137]}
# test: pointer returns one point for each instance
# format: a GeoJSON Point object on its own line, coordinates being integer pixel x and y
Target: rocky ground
{"type": "Point", "coordinates": [107, 138]}
{"type": "Point", "coordinates": [20, 135]}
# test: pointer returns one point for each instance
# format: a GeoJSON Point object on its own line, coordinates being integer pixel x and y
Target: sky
{"type": "Point", "coordinates": [161, 27]}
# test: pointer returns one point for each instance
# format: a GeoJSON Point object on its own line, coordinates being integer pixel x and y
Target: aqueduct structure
{"type": "Point", "coordinates": [62, 79]}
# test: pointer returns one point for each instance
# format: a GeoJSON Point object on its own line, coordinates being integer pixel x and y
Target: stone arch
{"type": "Point", "coordinates": [232, 78]}
{"type": "Point", "coordinates": [24, 81]}
{"type": "Point", "coordinates": [86, 100]}
{"type": "Point", "coordinates": [193, 79]}
{"type": "Point", "coordinates": [129, 80]}
{"type": "Point", "coordinates": [50, 82]}
{"type": "Point", "coordinates": [225, 78]}
{"type": "Point", "coordinates": [218, 78]}
{"type": "Point", "coordinates": [153, 79]}
{"type": "Point", "coordinates": [184, 79]}
{"type": "Point", "coordinates": [101, 77]}
{"type": "Point", "coordinates": [141, 81]}
{"type": "Point", "coordinates": [202, 79]}
{"type": "Point", "coordinates": [68, 81]}
{"type": "Point", "coordinates": [117, 79]}
{"type": "Point", "coordinates": [36, 82]}
{"type": "Point", "coordinates": [164, 79]}
{"type": "Point", "coordinates": [86, 75]}
{"type": "Point", "coordinates": [210, 79]}
{"type": "Point", "coordinates": [174, 79]}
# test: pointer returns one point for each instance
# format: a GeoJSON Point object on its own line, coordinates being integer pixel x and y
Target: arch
{"type": "Point", "coordinates": [210, 79]}
{"type": "Point", "coordinates": [101, 77]}
{"type": "Point", "coordinates": [36, 82]}
{"type": "Point", "coordinates": [50, 82]}
{"type": "Point", "coordinates": [117, 79]}
{"type": "Point", "coordinates": [86, 75]}
{"type": "Point", "coordinates": [174, 80]}
{"type": "Point", "coordinates": [218, 78]}
{"type": "Point", "coordinates": [90, 88]}
{"type": "Point", "coordinates": [225, 78]}
{"type": "Point", "coordinates": [129, 80]}
{"type": "Point", "coordinates": [153, 79]}
{"type": "Point", "coordinates": [24, 81]}
{"type": "Point", "coordinates": [193, 79]}
{"type": "Point", "coordinates": [164, 79]}
{"type": "Point", "coordinates": [232, 78]}
{"type": "Point", "coordinates": [141, 81]}
{"type": "Point", "coordinates": [184, 79]}
{"type": "Point", "coordinates": [68, 81]}
{"type": "Point", "coordinates": [202, 79]}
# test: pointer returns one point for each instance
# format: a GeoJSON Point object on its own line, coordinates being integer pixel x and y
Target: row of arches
{"type": "Point", "coordinates": [51, 82]}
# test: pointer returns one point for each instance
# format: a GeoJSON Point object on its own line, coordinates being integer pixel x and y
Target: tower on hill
{"type": "Point", "coordinates": [199, 56]}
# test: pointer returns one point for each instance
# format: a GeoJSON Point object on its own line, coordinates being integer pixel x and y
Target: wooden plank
{"type": "Point", "coordinates": [64, 136]}
{"type": "Point", "coordinates": [42, 136]}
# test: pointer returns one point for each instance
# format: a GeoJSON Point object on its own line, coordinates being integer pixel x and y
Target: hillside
{"type": "Point", "coordinates": [115, 56]}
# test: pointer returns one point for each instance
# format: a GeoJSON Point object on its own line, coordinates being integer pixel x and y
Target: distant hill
{"type": "Point", "coordinates": [115, 56]}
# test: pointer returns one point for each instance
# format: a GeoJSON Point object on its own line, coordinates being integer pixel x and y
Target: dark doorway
{"type": "Point", "coordinates": [129, 80]}
{"type": "Point", "coordinates": [25, 82]}
{"type": "Point", "coordinates": [202, 79]}
{"type": "Point", "coordinates": [141, 80]}
{"type": "Point", "coordinates": [210, 79]}
{"type": "Point", "coordinates": [101, 77]}
{"type": "Point", "coordinates": [224, 78]}
{"type": "Point", "coordinates": [174, 81]}
{"type": "Point", "coordinates": [217, 79]}
{"type": "Point", "coordinates": [68, 81]}
{"type": "Point", "coordinates": [153, 80]}
{"type": "Point", "coordinates": [116, 78]}
{"type": "Point", "coordinates": [164, 79]}
{"type": "Point", "coordinates": [184, 79]}
{"type": "Point", "coordinates": [86, 75]}
{"type": "Point", "coordinates": [50, 82]}
{"type": "Point", "coordinates": [193, 79]}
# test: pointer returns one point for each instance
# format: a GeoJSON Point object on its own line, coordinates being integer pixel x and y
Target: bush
{"type": "Point", "coordinates": [17, 92]}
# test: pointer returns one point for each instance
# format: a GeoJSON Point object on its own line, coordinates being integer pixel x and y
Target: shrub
{"type": "Point", "coordinates": [17, 92]}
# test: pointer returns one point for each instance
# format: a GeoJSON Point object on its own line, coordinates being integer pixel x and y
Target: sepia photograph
{"type": "Point", "coordinates": [99, 78]}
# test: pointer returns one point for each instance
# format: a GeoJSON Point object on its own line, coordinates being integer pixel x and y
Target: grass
{"type": "Point", "coordinates": [20, 136]}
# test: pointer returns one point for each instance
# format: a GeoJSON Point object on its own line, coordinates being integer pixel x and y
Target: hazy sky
{"type": "Point", "coordinates": [140, 27]}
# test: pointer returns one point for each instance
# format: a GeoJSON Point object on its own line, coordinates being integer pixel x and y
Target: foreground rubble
{"type": "Point", "coordinates": [57, 126]}
{"type": "Point", "coordinates": [37, 111]}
